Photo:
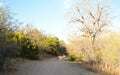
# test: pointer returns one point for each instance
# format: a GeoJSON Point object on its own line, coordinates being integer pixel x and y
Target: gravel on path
{"type": "Point", "coordinates": [51, 66]}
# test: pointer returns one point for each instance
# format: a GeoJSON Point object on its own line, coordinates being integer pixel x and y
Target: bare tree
{"type": "Point", "coordinates": [93, 16]}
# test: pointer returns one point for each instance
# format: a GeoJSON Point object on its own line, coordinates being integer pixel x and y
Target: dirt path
{"type": "Point", "coordinates": [51, 66]}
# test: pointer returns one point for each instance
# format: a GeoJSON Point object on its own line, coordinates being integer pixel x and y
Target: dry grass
{"type": "Point", "coordinates": [102, 70]}
{"type": "Point", "coordinates": [106, 55]}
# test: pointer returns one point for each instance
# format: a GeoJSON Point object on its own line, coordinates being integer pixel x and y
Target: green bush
{"type": "Point", "coordinates": [29, 50]}
{"type": "Point", "coordinates": [79, 58]}
{"type": "Point", "coordinates": [54, 46]}
{"type": "Point", "coordinates": [72, 57]}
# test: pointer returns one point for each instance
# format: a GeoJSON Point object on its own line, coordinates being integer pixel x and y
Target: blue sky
{"type": "Point", "coordinates": [48, 15]}
{"type": "Point", "coordinates": [115, 4]}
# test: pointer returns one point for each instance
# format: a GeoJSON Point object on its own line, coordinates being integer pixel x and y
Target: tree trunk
{"type": "Point", "coordinates": [93, 42]}
{"type": "Point", "coordinates": [93, 59]}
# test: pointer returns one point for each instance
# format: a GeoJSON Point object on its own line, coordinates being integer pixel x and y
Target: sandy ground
{"type": "Point", "coordinates": [51, 66]}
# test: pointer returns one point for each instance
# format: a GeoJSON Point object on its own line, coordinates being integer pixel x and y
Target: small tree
{"type": "Point", "coordinates": [28, 49]}
{"type": "Point", "coordinates": [8, 25]}
{"type": "Point", "coordinates": [37, 37]}
{"type": "Point", "coordinates": [93, 15]}
{"type": "Point", "coordinates": [54, 46]}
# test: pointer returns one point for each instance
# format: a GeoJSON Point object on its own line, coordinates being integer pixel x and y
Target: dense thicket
{"type": "Point", "coordinates": [7, 31]}
{"type": "Point", "coordinates": [25, 42]}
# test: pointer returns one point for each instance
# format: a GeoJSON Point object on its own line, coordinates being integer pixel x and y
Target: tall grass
{"type": "Point", "coordinates": [106, 56]}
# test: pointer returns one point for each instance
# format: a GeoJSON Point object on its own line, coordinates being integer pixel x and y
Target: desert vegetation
{"type": "Point", "coordinates": [97, 46]}
{"type": "Point", "coordinates": [25, 42]}
{"type": "Point", "coordinates": [92, 45]}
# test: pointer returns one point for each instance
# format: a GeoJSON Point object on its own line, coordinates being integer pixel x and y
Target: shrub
{"type": "Point", "coordinates": [79, 58]}
{"type": "Point", "coordinates": [29, 50]}
{"type": "Point", "coordinates": [54, 46]}
{"type": "Point", "coordinates": [72, 57]}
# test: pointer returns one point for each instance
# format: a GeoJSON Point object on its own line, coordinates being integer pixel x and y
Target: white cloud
{"type": "Point", "coordinates": [67, 4]}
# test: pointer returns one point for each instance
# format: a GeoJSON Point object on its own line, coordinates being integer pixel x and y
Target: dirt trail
{"type": "Point", "coordinates": [51, 66]}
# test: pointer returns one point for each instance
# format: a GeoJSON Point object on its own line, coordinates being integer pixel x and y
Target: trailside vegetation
{"type": "Point", "coordinates": [24, 42]}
